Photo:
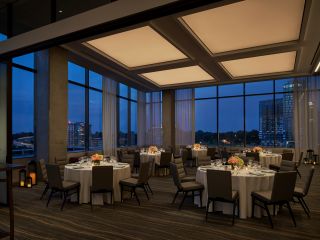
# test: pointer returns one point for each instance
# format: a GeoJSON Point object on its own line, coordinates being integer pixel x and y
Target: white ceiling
{"type": "Point", "coordinates": [247, 24]}
{"type": "Point", "coordinates": [178, 75]}
{"type": "Point", "coordinates": [137, 47]}
{"type": "Point", "coordinates": [272, 63]}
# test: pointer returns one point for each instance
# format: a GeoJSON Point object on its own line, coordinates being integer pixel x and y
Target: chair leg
{"type": "Point", "coordinates": [298, 172]}
{"type": "Point", "coordinates": [134, 191]}
{"type": "Point", "coordinates": [305, 204]}
{"type": "Point", "coordinates": [233, 212]}
{"type": "Point", "coordinates": [175, 196]}
{"type": "Point", "coordinates": [201, 198]}
{"type": "Point", "coordinates": [274, 209]}
{"type": "Point", "coordinates": [207, 209]}
{"type": "Point", "coordinates": [121, 193]}
{"type": "Point", "coordinates": [184, 197]}
{"type": "Point", "coordinates": [44, 191]}
{"type": "Point", "coordinates": [50, 196]}
{"type": "Point", "coordinates": [91, 200]}
{"type": "Point", "coordinates": [64, 200]}
{"type": "Point", "coordinates": [78, 194]}
{"type": "Point", "coordinates": [149, 188]}
{"type": "Point", "coordinates": [291, 213]}
{"type": "Point", "coordinates": [269, 216]}
{"type": "Point", "coordinates": [304, 208]}
{"type": "Point", "coordinates": [252, 207]}
{"type": "Point", "coordinates": [145, 190]}
{"type": "Point", "coordinates": [238, 208]}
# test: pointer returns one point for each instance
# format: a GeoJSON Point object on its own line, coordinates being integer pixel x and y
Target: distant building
{"type": "Point", "coordinates": [76, 135]}
{"type": "Point", "coordinates": [267, 125]}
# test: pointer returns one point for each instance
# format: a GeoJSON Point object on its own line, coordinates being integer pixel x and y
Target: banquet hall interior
{"type": "Point", "coordinates": [163, 119]}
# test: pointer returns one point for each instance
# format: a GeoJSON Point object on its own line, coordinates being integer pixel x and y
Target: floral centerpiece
{"type": "Point", "coordinates": [257, 149]}
{"type": "Point", "coordinates": [235, 161]}
{"type": "Point", "coordinates": [152, 149]}
{"type": "Point", "coordinates": [196, 146]}
{"type": "Point", "coordinates": [96, 159]}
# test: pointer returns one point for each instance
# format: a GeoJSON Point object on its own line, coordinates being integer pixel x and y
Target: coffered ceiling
{"type": "Point", "coordinates": [224, 42]}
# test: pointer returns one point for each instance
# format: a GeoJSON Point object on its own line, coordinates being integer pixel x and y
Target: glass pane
{"type": "Point", "coordinates": [95, 118]}
{"type": "Point", "coordinates": [231, 121]}
{"type": "Point", "coordinates": [123, 90]}
{"type": "Point", "coordinates": [25, 60]}
{"type": "Point", "coordinates": [284, 85]}
{"type": "Point", "coordinates": [284, 120]}
{"type": "Point", "coordinates": [76, 118]}
{"type": "Point", "coordinates": [3, 23]}
{"type": "Point", "coordinates": [76, 73]}
{"type": "Point", "coordinates": [2, 37]}
{"type": "Point", "coordinates": [259, 120]}
{"type": "Point", "coordinates": [157, 97]}
{"type": "Point", "coordinates": [205, 92]}
{"type": "Point", "coordinates": [230, 90]}
{"type": "Point", "coordinates": [206, 121]}
{"type": "Point", "coordinates": [134, 94]}
{"type": "Point", "coordinates": [148, 97]}
{"type": "Point", "coordinates": [134, 120]}
{"type": "Point", "coordinates": [22, 112]}
{"type": "Point", "coordinates": [95, 80]}
{"type": "Point", "coordinates": [123, 122]}
{"type": "Point", "coordinates": [259, 87]}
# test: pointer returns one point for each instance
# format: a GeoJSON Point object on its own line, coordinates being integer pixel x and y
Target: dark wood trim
{"type": "Point", "coordinates": [9, 112]}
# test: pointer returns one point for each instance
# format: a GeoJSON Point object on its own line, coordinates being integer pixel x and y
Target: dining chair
{"type": "Point", "coordinates": [185, 187]}
{"type": "Point", "coordinates": [301, 193]}
{"type": "Point", "coordinates": [140, 182]}
{"type": "Point", "coordinates": [56, 184]}
{"type": "Point", "coordinates": [204, 161]}
{"type": "Point", "coordinates": [298, 164]}
{"type": "Point", "coordinates": [165, 159]}
{"type": "Point", "coordinates": [184, 156]}
{"type": "Point", "coordinates": [61, 162]}
{"type": "Point", "coordinates": [182, 172]}
{"type": "Point", "coordinates": [190, 158]}
{"type": "Point", "coordinates": [102, 181]}
{"type": "Point", "coordinates": [44, 177]}
{"type": "Point", "coordinates": [136, 162]}
{"type": "Point", "coordinates": [285, 166]}
{"type": "Point", "coordinates": [288, 156]}
{"type": "Point", "coordinates": [253, 155]}
{"type": "Point", "coordinates": [281, 194]}
{"type": "Point", "coordinates": [211, 152]}
{"type": "Point", "coordinates": [221, 192]}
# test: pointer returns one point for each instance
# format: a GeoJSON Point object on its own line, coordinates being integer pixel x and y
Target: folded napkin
{"type": "Point", "coordinates": [267, 171]}
{"type": "Point", "coordinates": [78, 167]}
{"type": "Point", "coordinates": [119, 166]}
{"type": "Point", "coordinates": [122, 163]}
{"type": "Point", "coordinates": [208, 166]}
{"type": "Point", "coordinates": [256, 173]}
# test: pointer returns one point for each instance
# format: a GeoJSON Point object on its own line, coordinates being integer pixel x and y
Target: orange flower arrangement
{"type": "Point", "coordinates": [235, 161]}
{"type": "Point", "coordinates": [152, 149]}
{"type": "Point", "coordinates": [96, 157]}
{"type": "Point", "coordinates": [196, 146]}
{"type": "Point", "coordinates": [257, 149]}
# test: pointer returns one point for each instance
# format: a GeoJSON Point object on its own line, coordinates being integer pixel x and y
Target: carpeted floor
{"type": "Point", "coordinates": [154, 219]}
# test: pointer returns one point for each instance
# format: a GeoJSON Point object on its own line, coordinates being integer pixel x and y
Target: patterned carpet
{"type": "Point", "coordinates": [154, 219]}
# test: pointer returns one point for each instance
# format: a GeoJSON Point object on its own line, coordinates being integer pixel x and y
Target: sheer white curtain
{"type": "Point", "coordinates": [184, 119]}
{"type": "Point", "coordinates": [154, 118]}
{"type": "Point", "coordinates": [109, 125]}
{"type": "Point", "coordinates": [141, 119]}
{"type": "Point", "coordinates": [306, 97]}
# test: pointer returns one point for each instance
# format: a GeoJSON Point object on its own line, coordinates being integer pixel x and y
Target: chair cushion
{"type": "Point", "coordinates": [263, 195]}
{"type": "Point", "coordinates": [69, 185]}
{"type": "Point", "coordinates": [131, 182]}
{"type": "Point", "coordinates": [188, 179]}
{"type": "Point", "coordinates": [298, 192]}
{"type": "Point", "coordinates": [189, 186]}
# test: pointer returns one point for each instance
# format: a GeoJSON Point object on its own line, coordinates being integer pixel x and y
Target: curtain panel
{"type": "Point", "coordinates": [109, 126]}
{"type": "Point", "coordinates": [306, 98]}
{"type": "Point", "coordinates": [141, 119]}
{"type": "Point", "coordinates": [153, 124]}
{"type": "Point", "coordinates": [184, 117]}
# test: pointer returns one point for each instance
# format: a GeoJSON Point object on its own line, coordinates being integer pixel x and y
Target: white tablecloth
{"type": "Point", "coordinates": [198, 153]}
{"type": "Point", "coordinates": [144, 156]}
{"type": "Point", "coordinates": [270, 158]}
{"type": "Point", "coordinates": [244, 183]}
{"type": "Point", "coordinates": [84, 176]}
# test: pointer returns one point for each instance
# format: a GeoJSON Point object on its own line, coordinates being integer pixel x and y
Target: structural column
{"type": "Point", "coordinates": [168, 117]}
{"type": "Point", "coordinates": [51, 104]}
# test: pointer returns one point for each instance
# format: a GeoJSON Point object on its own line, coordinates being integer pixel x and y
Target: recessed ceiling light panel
{"type": "Point", "coordinates": [267, 64]}
{"type": "Point", "coordinates": [178, 76]}
{"type": "Point", "coordinates": [247, 24]}
{"type": "Point", "coordinates": [138, 47]}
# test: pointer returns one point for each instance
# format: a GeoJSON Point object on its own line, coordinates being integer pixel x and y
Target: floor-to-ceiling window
{"type": "Point", "coordinates": [84, 109]}
{"type": "Point", "coordinates": [127, 115]}
{"type": "Point", "coordinates": [245, 114]}
{"type": "Point", "coordinates": [23, 74]}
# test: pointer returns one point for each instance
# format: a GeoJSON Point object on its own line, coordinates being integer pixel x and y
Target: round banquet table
{"type": "Point", "coordinates": [244, 182]}
{"type": "Point", "coordinates": [83, 174]}
{"type": "Point", "coordinates": [270, 158]}
{"type": "Point", "coordinates": [145, 156]}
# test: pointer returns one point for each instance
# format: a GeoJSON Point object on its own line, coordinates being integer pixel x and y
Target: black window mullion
{"type": "Point", "coordinates": [87, 124]}
{"type": "Point", "coordinates": [244, 117]}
